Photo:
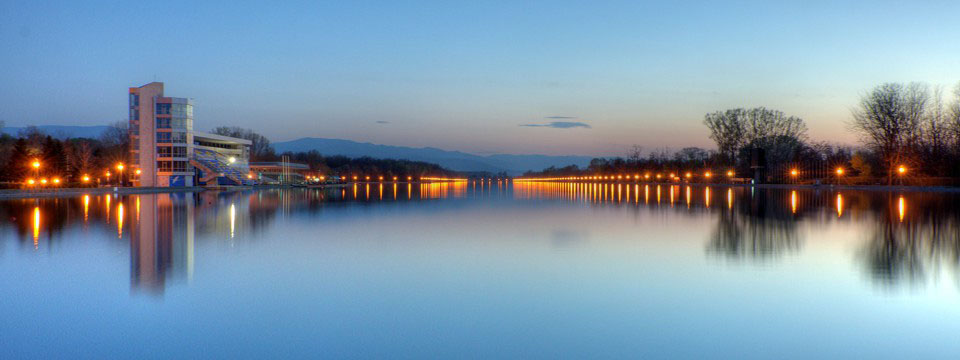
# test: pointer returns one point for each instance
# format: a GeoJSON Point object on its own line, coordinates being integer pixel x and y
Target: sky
{"type": "Point", "coordinates": [554, 77]}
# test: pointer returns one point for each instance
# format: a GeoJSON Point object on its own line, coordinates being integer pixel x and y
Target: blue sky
{"type": "Point", "coordinates": [466, 76]}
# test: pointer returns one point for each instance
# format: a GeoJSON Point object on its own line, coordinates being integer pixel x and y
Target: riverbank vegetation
{"type": "Point", "coordinates": [909, 134]}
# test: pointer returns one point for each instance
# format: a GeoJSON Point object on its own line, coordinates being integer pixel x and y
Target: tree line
{"type": "Point", "coordinates": [901, 127]}
{"type": "Point", "coordinates": [67, 160]}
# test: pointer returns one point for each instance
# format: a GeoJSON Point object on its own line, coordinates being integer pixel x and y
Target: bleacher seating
{"type": "Point", "coordinates": [226, 174]}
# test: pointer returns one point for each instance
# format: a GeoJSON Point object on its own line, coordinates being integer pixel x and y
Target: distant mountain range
{"type": "Point", "coordinates": [454, 160]}
{"type": "Point", "coordinates": [63, 131]}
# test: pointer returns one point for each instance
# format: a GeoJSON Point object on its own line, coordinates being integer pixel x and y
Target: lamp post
{"type": "Point", "coordinates": [36, 167]}
{"type": "Point", "coordinates": [120, 174]}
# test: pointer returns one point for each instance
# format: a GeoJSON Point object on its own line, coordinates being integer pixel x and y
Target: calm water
{"type": "Point", "coordinates": [533, 270]}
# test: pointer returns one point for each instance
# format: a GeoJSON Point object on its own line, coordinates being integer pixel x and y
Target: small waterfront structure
{"type": "Point", "coordinates": [279, 172]}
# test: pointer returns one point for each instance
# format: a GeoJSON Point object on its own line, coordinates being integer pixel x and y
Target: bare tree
{"type": "Point", "coordinates": [953, 118]}
{"type": "Point", "coordinates": [771, 130]}
{"type": "Point", "coordinates": [635, 155]}
{"type": "Point", "coordinates": [727, 129]}
{"type": "Point", "coordinates": [889, 120]}
{"type": "Point", "coordinates": [116, 134]}
{"type": "Point", "coordinates": [80, 157]}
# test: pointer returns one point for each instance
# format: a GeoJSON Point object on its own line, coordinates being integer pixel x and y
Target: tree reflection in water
{"type": "Point", "coordinates": [756, 227]}
{"type": "Point", "coordinates": [910, 246]}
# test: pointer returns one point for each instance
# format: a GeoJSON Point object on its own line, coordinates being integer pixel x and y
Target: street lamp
{"type": "Point", "coordinates": [840, 171]}
{"type": "Point", "coordinates": [902, 170]}
{"type": "Point", "coordinates": [36, 167]}
{"type": "Point", "coordinates": [120, 174]}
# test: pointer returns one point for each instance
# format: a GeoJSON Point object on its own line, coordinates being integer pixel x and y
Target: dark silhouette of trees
{"type": "Point", "coordinates": [889, 119]}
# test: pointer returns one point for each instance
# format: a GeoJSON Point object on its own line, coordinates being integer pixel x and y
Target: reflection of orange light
{"type": "Point", "coordinates": [793, 201]}
{"type": "Point", "coordinates": [901, 207]}
{"type": "Point", "coordinates": [86, 206]}
{"type": "Point", "coordinates": [839, 205]}
{"type": "Point", "coordinates": [706, 195]}
{"type": "Point", "coordinates": [36, 226]}
{"type": "Point", "coordinates": [120, 220]}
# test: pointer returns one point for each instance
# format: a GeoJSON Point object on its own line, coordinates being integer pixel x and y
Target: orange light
{"type": "Point", "coordinates": [31, 181]}
{"type": "Point", "coordinates": [35, 164]}
{"type": "Point", "coordinates": [366, 177]}
{"type": "Point", "coordinates": [839, 171]}
{"type": "Point", "coordinates": [108, 174]}
{"type": "Point", "coordinates": [672, 175]}
{"type": "Point", "coordinates": [56, 180]}
{"type": "Point", "coordinates": [120, 167]}
{"type": "Point", "coordinates": [794, 172]}
{"type": "Point", "coordinates": [646, 176]}
{"type": "Point", "coordinates": [86, 178]}
{"type": "Point", "coordinates": [689, 175]}
{"type": "Point", "coordinates": [707, 174]}
{"type": "Point", "coordinates": [902, 169]}
{"type": "Point", "coordinates": [380, 178]}
{"type": "Point", "coordinates": [730, 173]}
{"type": "Point", "coordinates": [323, 177]}
{"type": "Point", "coordinates": [137, 172]}
{"type": "Point", "coordinates": [43, 181]}
{"type": "Point", "coordinates": [249, 176]}
{"type": "Point", "coordinates": [411, 178]}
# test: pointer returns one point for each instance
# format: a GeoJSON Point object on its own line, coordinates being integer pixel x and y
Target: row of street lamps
{"type": "Point", "coordinates": [85, 179]}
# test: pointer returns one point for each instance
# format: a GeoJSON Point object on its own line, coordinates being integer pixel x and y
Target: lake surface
{"type": "Point", "coordinates": [483, 270]}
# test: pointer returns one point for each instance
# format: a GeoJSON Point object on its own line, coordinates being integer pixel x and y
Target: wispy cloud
{"type": "Point", "coordinates": [561, 125]}
{"type": "Point", "coordinates": [382, 122]}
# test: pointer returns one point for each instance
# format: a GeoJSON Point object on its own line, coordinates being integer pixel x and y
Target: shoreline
{"type": "Point", "coordinates": [65, 192]}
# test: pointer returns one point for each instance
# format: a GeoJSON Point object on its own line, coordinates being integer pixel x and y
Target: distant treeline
{"type": "Point", "coordinates": [67, 160]}
{"type": "Point", "coordinates": [908, 133]}
{"type": "Point", "coordinates": [365, 166]}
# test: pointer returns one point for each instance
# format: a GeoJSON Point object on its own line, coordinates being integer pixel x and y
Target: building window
{"type": "Point", "coordinates": [134, 99]}
{"type": "Point", "coordinates": [163, 123]}
{"type": "Point", "coordinates": [165, 166]}
{"type": "Point", "coordinates": [179, 138]}
{"type": "Point", "coordinates": [180, 151]}
{"type": "Point", "coordinates": [163, 137]}
{"type": "Point", "coordinates": [180, 166]}
{"type": "Point", "coordinates": [164, 151]}
{"type": "Point", "coordinates": [163, 109]}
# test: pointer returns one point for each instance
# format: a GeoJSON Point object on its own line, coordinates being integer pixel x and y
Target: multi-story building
{"type": "Point", "coordinates": [163, 147]}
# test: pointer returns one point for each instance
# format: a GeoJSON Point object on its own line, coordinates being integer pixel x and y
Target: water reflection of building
{"type": "Point", "coordinates": [161, 240]}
